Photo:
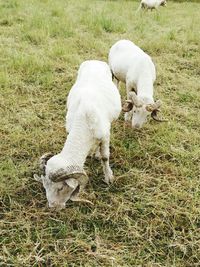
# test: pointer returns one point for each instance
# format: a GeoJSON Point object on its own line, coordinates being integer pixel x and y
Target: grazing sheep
{"type": "Point", "coordinates": [93, 103]}
{"type": "Point", "coordinates": [151, 4]}
{"type": "Point", "coordinates": [133, 66]}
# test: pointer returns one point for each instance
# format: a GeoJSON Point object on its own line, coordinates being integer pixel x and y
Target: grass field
{"type": "Point", "coordinates": [150, 216]}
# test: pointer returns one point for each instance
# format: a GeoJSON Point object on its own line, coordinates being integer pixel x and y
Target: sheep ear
{"type": "Point", "coordinates": [71, 182]}
{"type": "Point", "coordinates": [127, 106]}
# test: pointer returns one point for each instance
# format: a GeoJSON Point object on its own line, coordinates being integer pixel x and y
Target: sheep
{"type": "Point", "coordinates": [131, 65]}
{"type": "Point", "coordinates": [151, 4]}
{"type": "Point", "coordinates": [93, 104]}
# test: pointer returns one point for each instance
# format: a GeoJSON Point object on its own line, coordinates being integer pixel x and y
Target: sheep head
{"type": "Point", "coordinates": [62, 184]}
{"type": "Point", "coordinates": [163, 3]}
{"type": "Point", "coordinates": [140, 110]}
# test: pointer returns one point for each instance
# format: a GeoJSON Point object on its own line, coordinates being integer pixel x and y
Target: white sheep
{"type": "Point", "coordinates": [151, 4]}
{"type": "Point", "coordinates": [93, 103]}
{"type": "Point", "coordinates": [133, 66]}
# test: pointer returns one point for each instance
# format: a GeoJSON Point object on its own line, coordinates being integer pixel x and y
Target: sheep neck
{"type": "Point", "coordinates": [78, 144]}
{"type": "Point", "coordinates": [145, 89]}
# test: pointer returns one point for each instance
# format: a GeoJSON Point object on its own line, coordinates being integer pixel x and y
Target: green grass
{"type": "Point", "coordinates": [151, 215]}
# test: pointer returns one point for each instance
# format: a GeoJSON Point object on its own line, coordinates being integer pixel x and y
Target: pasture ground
{"type": "Point", "coordinates": [150, 216]}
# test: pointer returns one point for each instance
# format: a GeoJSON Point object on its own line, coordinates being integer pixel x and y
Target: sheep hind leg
{"type": "Point", "coordinates": [105, 155]}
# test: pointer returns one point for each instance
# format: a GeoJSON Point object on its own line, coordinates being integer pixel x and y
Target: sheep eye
{"type": "Point", "coordinates": [60, 189]}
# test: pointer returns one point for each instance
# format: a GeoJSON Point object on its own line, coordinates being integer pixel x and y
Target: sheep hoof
{"type": "Point", "coordinates": [109, 180]}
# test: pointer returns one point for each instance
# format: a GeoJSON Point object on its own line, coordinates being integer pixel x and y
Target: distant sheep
{"type": "Point", "coordinates": [133, 66]}
{"type": "Point", "coordinates": [93, 103]}
{"type": "Point", "coordinates": [151, 4]}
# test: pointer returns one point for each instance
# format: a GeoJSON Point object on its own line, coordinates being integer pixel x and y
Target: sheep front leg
{"type": "Point", "coordinates": [115, 81]}
{"type": "Point", "coordinates": [97, 154]}
{"type": "Point", "coordinates": [105, 154]}
{"type": "Point", "coordinates": [128, 115]}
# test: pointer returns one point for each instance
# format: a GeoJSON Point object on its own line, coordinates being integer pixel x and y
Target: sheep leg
{"type": "Point", "coordinates": [94, 152]}
{"type": "Point", "coordinates": [116, 82]}
{"type": "Point", "coordinates": [128, 115]}
{"type": "Point", "coordinates": [105, 154]}
{"type": "Point", "coordinates": [97, 153]}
